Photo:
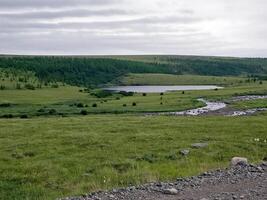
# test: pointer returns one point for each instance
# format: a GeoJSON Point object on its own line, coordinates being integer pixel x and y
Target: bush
{"type": "Point", "coordinates": [80, 105]}
{"type": "Point", "coordinates": [24, 116]}
{"type": "Point", "coordinates": [260, 82]}
{"type": "Point", "coordinates": [118, 98]}
{"type": "Point", "coordinates": [102, 93]}
{"type": "Point", "coordinates": [183, 92]}
{"type": "Point", "coordinates": [29, 86]}
{"type": "Point", "coordinates": [161, 93]}
{"type": "Point", "coordinates": [124, 105]}
{"type": "Point", "coordinates": [5, 105]}
{"type": "Point", "coordinates": [18, 86]}
{"type": "Point", "coordinates": [54, 86]}
{"type": "Point", "coordinates": [133, 104]}
{"type": "Point", "coordinates": [84, 112]}
{"type": "Point", "coordinates": [124, 93]}
{"type": "Point", "coordinates": [2, 87]}
{"type": "Point", "coordinates": [41, 110]}
{"type": "Point", "coordinates": [144, 94]}
{"type": "Point", "coordinates": [8, 116]}
{"type": "Point", "coordinates": [94, 105]}
{"type": "Point", "coordinates": [52, 111]}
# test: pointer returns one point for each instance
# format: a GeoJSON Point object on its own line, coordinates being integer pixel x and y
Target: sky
{"type": "Point", "coordinates": [118, 27]}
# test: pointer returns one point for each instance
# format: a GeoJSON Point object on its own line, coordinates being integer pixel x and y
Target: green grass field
{"type": "Point", "coordinates": [169, 79]}
{"type": "Point", "coordinates": [46, 158]}
{"type": "Point", "coordinates": [50, 156]}
{"type": "Point", "coordinates": [64, 99]}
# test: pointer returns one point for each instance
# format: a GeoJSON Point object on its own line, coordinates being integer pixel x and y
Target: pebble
{"type": "Point", "coordinates": [171, 191]}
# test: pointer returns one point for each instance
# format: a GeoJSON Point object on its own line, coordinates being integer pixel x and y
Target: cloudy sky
{"type": "Point", "coordinates": [198, 27]}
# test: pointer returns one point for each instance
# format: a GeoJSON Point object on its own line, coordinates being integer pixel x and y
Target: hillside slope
{"type": "Point", "coordinates": [93, 71]}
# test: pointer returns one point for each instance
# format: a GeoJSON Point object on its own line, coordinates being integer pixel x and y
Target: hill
{"type": "Point", "coordinates": [93, 71]}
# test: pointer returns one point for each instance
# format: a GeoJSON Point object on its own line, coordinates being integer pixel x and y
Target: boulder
{"type": "Point", "coordinates": [184, 152]}
{"type": "Point", "coordinates": [239, 161]}
{"type": "Point", "coordinates": [199, 145]}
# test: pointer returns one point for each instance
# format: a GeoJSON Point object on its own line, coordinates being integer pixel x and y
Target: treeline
{"type": "Point", "coordinates": [89, 71]}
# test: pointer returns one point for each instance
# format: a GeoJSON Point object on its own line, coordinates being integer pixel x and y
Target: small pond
{"type": "Point", "coordinates": [161, 88]}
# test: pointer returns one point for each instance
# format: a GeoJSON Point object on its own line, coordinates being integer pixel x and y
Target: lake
{"type": "Point", "coordinates": [161, 88]}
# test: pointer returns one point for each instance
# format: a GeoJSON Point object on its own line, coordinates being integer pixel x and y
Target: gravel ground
{"type": "Point", "coordinates": [238, 182]}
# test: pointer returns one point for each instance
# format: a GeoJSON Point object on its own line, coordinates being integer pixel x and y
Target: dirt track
{"type": "Point", "coordinates": [240, 182]}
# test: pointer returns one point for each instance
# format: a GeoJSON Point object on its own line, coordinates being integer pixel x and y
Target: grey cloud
{"type": "Point", "coordinates": [137, 22]}
{"type": "Point", "coordinates": [48, 15]}
{"type": "Point", "coordinates": [11, 4]}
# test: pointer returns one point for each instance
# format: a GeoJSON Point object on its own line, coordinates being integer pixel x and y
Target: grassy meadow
{"type": "Point", "coordinates": [170, 79]}
{"type": "Point", "coordinates": [47, 158]}
{"type": "Point", "coordinates": [58, 152]}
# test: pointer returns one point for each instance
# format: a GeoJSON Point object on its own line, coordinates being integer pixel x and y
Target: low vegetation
{"type": "Point", "coordinates": [47, 158]}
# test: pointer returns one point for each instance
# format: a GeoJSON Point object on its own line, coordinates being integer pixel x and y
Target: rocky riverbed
{"type": "Point", "coordinates": [218, 108]}
{"type": "Point", "coordinates": [240, 181]}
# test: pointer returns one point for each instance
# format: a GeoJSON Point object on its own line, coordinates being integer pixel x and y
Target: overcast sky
{"type": "Point", "coordinates": [195, 27]}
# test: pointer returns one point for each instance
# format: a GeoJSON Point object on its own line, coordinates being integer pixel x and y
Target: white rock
{"type": "Point", "coordinates": [239, 161]}
{"type": "Point", "coordinates": [171, 191]}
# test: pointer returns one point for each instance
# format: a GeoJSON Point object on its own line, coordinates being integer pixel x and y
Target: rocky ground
{"type": "Point", "coordinates": [240, 181]}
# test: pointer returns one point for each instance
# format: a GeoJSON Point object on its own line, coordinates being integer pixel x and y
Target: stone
{"type": "Point", "coordinates": [199, 145]}
{"type": "Point", "coordinates": [239, 161]}
{"type": "Point", "coordinates": [171, 191]}
{"type": "Point", "coordinates": [184, 152]}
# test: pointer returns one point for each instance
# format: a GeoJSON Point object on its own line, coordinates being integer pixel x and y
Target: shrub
{"type": "Point", "coordinates": [102, 93]}
{"type": "Point", "coordinates": [124, 105]}
{"type": "Point", "coordinates": [18, 86]}
{"type": "Point", "coordinates": [24, 116]}
{"type": "Point", "coordinates": [29, 86]}
{"type": "Point", "coordinates": [144, 94]}
{"type": "Point", "coordinates": [2, 87]}
{"type": "Point", "coordinates": [118, 98]}
{"type": "Point", "coordinates": [80, 105]}
{"type": "Point", "coordinates": [41, 110]}
{"type": "Point", "coordinates": [161, 93]}
{"type": "Point", "coordinates": [133, 104]}
{"type": "Point", "coordinates": [124, 93]}
{"type": "Point", "coordinates": [8, 116]}
{"type": "Point", "coordinates": [52, 111]}
{"type": "Point", "coordinates": [5, 105]}
{"type": "Point", "coordinates": [94, 105]}
{"type": "Point", "coordinates": [260, 82]}
{"type": "Point", "coordinates": [54, 86]}
{"type": "Point", "coordinates": [183, 92]}
{"type": "Point", "coordinates": [84, 112]}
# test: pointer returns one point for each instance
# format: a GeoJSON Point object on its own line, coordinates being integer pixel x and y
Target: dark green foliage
{"type": "Point", "coordinates": [161, 94]}
{"type": "Point", "coordinates": [144, 94]}
{"type": "Point", "coordinates": [183, 92]}
{"type": "Point", "coordinates": [2, 87]}
{"type": "Point", "coordinates": [84, 112]}
{"type": "Point", "coordinates": [88, 71]}
{"type": "Point", "coordinates": [5, 105]}
{"type": "Point", "coordinates": [80, 105]}
{"type": "Point", "coordinates": [127, 94]}
{"type": "Point", "coordinates": [24, 116]}
{"type": "Point", "coordinates": [94, 105]}
{"type": "Point", "coordinates": [29, 86]}
{"type": "Point", "coordinates": [7, 116]}
{"type": "Point", "coordinates": [124, 105]}
{"type": "Point", "coordinates": [52, 111]}
{"type": "Point", "coordinates": [54, 86]}
{"type": "Point", "coordinates": [133, 104]}
{"type": "Point", "coordinates": [102, 93]}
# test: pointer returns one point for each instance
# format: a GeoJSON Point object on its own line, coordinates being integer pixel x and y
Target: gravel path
{"type": "Point", "coordinates": [239, 182]}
